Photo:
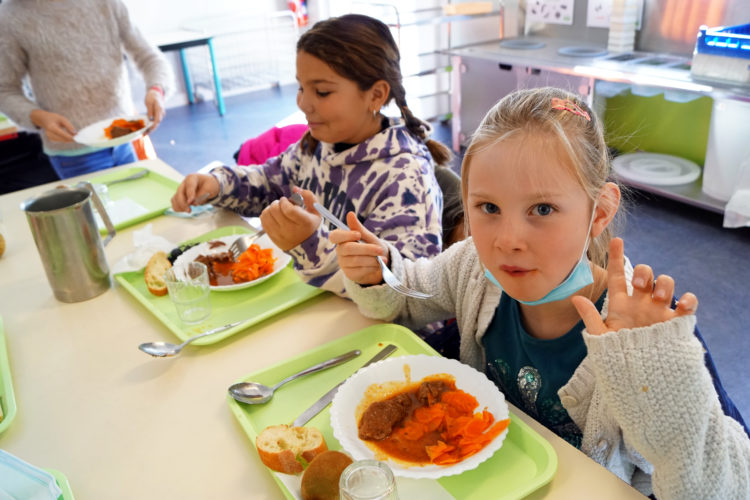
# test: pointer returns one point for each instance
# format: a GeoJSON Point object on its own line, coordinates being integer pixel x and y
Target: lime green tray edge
{"type": "Point", "coordinates": [62, 482]}
{"type": "Point", "coordinates": [540, 460]}
{"type": "Point", "coordinates": [294, 291]}
{"type": "Point", "coordinates": [7, 396]}
{"type": "Point", "coordinates": [153, 191]}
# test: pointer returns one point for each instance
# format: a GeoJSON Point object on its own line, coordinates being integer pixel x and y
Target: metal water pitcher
{"type": "Point", "coordinates": [67, 237]}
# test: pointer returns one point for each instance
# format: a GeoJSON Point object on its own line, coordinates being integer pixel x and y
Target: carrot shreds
{"type": "Point", "coordinates": [252, 264]}
{"type": "Point", "coordinates": [119, 123]}
{"type": "Point", "coordinates": [460, 431]}
{"type": "Point", "coordinates": [460, 400]}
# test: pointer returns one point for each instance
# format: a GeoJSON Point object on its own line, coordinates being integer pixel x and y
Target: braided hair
{"type": "Point", "coordinates": [362, 49]}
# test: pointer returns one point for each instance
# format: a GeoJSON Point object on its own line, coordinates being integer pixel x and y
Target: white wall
{"type": "Point", "coordinates": [155, 16]}
{"type": "Point", "coordinates": [161, 16]}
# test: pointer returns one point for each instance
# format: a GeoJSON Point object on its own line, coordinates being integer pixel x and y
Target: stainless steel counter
{"type": "Point", "coordinates": [641, 68]}
{"type": "Point", "coordinates": [485, 72]}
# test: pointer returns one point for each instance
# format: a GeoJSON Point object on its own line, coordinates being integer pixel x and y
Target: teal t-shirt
{"type": "Point", "coordinates": [530, 371]}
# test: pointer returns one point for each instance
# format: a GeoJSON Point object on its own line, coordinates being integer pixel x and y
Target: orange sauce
{"type": "Point", "coordinates": [405, 450]}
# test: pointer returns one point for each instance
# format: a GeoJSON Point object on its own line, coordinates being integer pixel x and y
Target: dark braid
{"type": "Point", "coordinates": [362, 49]}
{"type": "Point", "coordinates": [441, 154]}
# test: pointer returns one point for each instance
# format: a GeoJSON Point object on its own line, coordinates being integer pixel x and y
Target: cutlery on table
{"type": "Point", "coordinates": [390, 279]}
{"type": "Point", "coordinates": [326, 398]}
{"type": "Point", "coordinates": [132, 177]}
{"type": "Point", "coordinates": [164, 349]}
{"type": "Point", "coordinates": [255, 393]}
{"type": "Point", "coordinates": [242, 243]}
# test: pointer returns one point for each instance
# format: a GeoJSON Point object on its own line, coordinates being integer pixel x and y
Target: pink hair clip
{"type": "Point", "coordinates": [566, 105]}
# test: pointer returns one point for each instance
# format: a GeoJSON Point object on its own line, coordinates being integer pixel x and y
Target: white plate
{"type": "Point", "coordinates": [282, 259]}
{"type": "Point", "coordinates": [656, 169]}
{"type": "Point", "coordinates": [93, 135]}
{"type": "Point", "coordinates": [350, 394]}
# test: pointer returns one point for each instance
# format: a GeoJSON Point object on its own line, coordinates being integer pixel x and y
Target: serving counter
{"type": "Point", "coordinates": [122, 425]}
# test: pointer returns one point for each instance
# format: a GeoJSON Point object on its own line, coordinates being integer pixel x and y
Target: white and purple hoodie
{"type": "Point", "coordinates": [388, 180]}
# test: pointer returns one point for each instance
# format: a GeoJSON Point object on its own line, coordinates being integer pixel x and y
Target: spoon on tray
{"type": "Point", "coordinates": [254, 393]}
{"type": "Point", "coordinates": [164, 349]}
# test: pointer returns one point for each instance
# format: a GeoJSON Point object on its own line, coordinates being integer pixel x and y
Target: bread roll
{"type": "Point", "coordinates": [154, 274]}
{"type": "Point", "coordinates": [321, 478]}
{"type": "Point", "coordinates": [280, 447]}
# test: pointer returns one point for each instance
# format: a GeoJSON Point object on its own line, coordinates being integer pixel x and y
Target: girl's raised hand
{"type": "Point", "coordinates": [356, 251]}
{"type": "Point", "coordinates": [649, 304]}
{"type": "Point", "coordinates": [194, 189]}
{"type": "Point", "coordinates": [287, 224]}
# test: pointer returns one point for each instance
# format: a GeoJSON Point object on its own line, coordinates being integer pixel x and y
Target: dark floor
{"type": "Point", "coordinates": [676, 239]}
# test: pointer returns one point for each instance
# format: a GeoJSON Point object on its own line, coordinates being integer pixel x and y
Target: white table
{"type": "Point", "coordinates": [122, 425]}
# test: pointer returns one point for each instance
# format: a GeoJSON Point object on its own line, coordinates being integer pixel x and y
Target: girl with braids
{"type": "Point", "coordinates": [549, 308]}
{"type": "Point", "coordinates": [352, 159]}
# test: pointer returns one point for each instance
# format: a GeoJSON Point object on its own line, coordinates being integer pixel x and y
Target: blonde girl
{"type": "Point", "coordinates": [352, 159]}
{"type": "Point", "coordinates": [549, 308]}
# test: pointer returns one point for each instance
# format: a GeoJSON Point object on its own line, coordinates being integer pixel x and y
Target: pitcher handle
{"type": "Point", "coordinates": [102, 211]}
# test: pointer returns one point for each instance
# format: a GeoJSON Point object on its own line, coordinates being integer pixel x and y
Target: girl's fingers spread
{"type": "Point", "coordinates": [616, 266]}
{"type": "Point", "coordinates": [643, 279]}
{"type": "Point", "coordinates": [687, 304]}
{"type": "Point", "coordinates": [664, 289]}
{"type": "Point", "coordinates": [590, 315]}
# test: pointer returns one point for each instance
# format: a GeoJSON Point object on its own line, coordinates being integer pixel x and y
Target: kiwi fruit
{"type": "Point", "coordinates": [320, 481]}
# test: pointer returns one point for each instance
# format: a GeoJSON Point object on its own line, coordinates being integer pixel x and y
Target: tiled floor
{"type": "Point", "coordinates": [676, 239]}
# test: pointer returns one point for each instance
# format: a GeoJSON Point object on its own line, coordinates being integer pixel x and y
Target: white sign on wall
{"type": "Point", "coordinates": [550, 11]}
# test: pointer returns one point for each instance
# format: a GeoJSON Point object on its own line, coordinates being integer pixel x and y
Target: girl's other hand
{"type": "Point", "coordinates": [649, 304]}
{"type": "Point", "coordinates": [55, 126]}
{"type": "Point", "coordinates": [356, 251]}
{"type": "Point", "coordinates": [194, 189]}
{"type": "Point", "coordinates": [289, 225]}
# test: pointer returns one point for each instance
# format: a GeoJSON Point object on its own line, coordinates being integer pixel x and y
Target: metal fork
{"type": "Point", "coordinates": [390, 279]}
{"type": "Point", "coordinates": [242, 243]}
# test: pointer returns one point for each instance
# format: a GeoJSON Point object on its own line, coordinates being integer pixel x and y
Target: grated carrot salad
{"type": "Point", "coordinates": [252, 264]}
{"type": "Point", "coordinates": [462, 432]}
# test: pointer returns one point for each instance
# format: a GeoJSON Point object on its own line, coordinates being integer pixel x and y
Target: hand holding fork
{"type": "Point", "coordinates": [242, 243]}
{"type": "Point", "coordinates": [388, 276]}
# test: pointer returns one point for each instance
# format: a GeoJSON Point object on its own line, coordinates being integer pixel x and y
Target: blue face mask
{"type": "Point", "coordinates": [578, 278]}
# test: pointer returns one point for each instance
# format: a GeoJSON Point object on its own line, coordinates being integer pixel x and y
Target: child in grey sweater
{"type": "Point", "coordinates": [72, 53]}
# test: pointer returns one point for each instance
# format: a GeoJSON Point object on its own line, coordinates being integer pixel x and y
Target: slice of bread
{"type": "Point", "coordinates": [280, 447]}
{"type": "Point", "coordinates": [154, 274]}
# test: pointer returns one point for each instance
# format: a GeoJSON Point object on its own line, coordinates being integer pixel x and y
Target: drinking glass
{"type": "Point", "coordinates": [367, 480]}
{"type": "Point", "coordinates": [189, 290]}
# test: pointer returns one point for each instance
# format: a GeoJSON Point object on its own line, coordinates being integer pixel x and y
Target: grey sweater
{"type": "Point", "coordinates": [72, 52]}
{"type": "Point", "coordinates": [642, 397]}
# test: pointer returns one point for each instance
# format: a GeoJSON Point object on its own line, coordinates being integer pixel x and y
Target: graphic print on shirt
{"type": "Point", "coordinates": [523, 391]}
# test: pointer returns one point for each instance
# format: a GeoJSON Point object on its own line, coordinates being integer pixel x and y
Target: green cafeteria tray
{"type": "Point", "coordinates": [249, 305]}
{"type": "Point", "coordinates": [153, 192]}
{"type": "Point", "coordinates": [525, 462]}
{"type": "Point", "coordinates": [7, 397]}
{"type": "Point", "coordinates": [62, 482]}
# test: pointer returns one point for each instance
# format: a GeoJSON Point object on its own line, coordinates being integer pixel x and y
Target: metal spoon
{"type": "Point", "coordinates": [164, 349]}
{"type": "Point", "coordinates": [254, 393]}
{"type": "Point", "coordinates": [132, 177]}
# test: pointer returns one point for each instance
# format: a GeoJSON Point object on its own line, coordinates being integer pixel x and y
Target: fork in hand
{"type": "Point", "coordinates": [390, 279]}
{"type": "Point", "coordinates": [242, 243]}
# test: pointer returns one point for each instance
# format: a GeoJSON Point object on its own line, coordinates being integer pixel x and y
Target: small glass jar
{"type": "Point", "coordinates": [367, 480]}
